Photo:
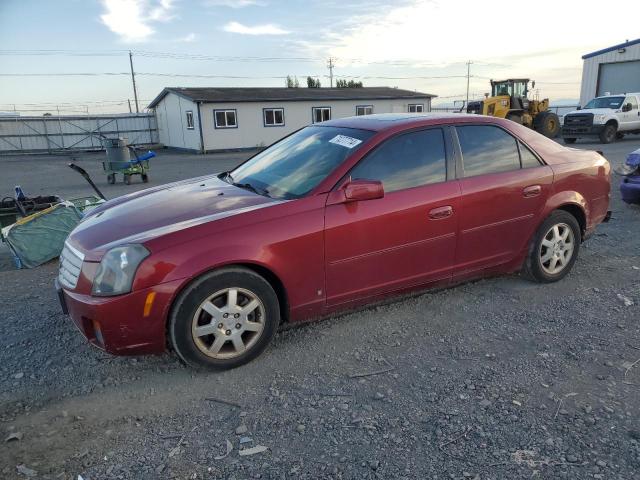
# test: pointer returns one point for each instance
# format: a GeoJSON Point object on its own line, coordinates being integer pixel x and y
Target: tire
{"type": "Point", "coordinates": [547, 123]}
{"type": "Point", "coordinates": [127, 179]}
{"type": "Point", "coordinates": [542, 271]}
{"type": "Point", "coordinates": [255, 329]}
{"type": "Point", "coordinates": [145, 178]}
{"type": "Point", "coordinates": [569, 141]}
{"type": "Point", "coordinates": [111, 178]}
{"type": "Point", "coordinates": [619, 135]}
{"type": "Point", "coordinates": [608, 133]}
{"type": "Point", "coordinates": [514, 117]}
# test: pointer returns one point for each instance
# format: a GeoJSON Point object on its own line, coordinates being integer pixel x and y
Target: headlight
{"type": "Point", "coordinates": [599, 118]}
{"type": "Point", "coordinates": [117, 270]}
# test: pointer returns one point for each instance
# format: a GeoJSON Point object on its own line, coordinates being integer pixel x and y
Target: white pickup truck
{"type": "Point", "coordinates": [607, 118]}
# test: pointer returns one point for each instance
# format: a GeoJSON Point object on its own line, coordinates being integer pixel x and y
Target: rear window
{"type": "Point", "coordinates": [487, 149]}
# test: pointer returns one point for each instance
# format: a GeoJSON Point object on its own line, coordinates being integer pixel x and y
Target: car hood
{"type": "Point", "coordinates": [595, 111]}
{"type": "Point", "coordinates": [148, 214]}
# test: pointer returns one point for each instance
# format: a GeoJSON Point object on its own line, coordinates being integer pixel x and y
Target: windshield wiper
{"type": "Point", "coordinates": [226, 176]}
{"type": "Point", "coordinates": [254, 189]}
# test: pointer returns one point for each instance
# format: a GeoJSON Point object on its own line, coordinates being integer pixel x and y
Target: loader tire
{"type": "Point", "coordinates": [547, 123]}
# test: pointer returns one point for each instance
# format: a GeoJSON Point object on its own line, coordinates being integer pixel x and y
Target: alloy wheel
{"type": "Point", "coordinates": [556, 248]}
{"type": "Point", "coordinates": [228, 323]}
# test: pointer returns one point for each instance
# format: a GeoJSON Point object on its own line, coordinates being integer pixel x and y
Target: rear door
{"type": "Point", "coordinates": [405, 238]}
{"type": "Point", "coordinates": [632, 117]}
{"type": "Point", "coordinates": [504, 186]}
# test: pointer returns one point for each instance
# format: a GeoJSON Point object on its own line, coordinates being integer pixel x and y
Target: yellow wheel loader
{"type": "Point", "coordinates": [509, 100]}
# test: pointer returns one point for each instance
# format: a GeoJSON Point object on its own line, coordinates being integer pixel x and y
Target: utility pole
{"type": "Point", "coordinates": [468, 77]}
{"type": "Point", "coordinates": [129, 102]}
{"type": "Point", "coordinates": [330, 64]}
{"type": "Point", "coordinates": [133, 80]}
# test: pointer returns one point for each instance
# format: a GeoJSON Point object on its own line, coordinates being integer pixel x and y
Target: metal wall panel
{"type": "Point", "coordinates": [68, 133]}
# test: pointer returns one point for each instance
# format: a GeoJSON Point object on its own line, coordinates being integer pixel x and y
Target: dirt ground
{"type": "Point", "coordinates": [496, 379]}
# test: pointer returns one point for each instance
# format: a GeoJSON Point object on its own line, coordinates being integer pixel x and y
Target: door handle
{"type": "Point", "coordinates": [532, 191]}
{"type": "Point", "coordinates": [441, 212]}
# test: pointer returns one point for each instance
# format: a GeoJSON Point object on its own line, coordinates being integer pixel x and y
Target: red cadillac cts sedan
{"type": "Point", "coordinates": [336, 215]}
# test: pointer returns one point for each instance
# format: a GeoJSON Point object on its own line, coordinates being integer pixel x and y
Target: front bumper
{"type": "Point", "coordinates": [118, 325]}
{"type": "Point", "coordinates": [576, 132]}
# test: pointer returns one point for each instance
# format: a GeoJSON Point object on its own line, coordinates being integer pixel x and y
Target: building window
{"type": "Point", "coordinates": [416, 108]}
{"type": "Point", "coordinates": [273, 117]}
{"type": "Point", "coordinates": [364, 110]}
{"type": "Point", "coordinates": [189, 119]}
{"type": "Point", "coordinates": [321, 114]}
{"type": "Point", "coordinates": [225, 118]}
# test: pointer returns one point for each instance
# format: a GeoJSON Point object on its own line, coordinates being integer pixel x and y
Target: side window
{"type": "Point", "coordinates": [225, 118]}
{"type": "Point", "coordinates": [633, 102]}
{"type": "Point", "coordinates": [406, 161]}
{"type": "Point", "coordinates": [189, 114]}
{"type": "Point", "coordinates": [527, 158]}
{"type": "Point", "coordinates": [487, 149]}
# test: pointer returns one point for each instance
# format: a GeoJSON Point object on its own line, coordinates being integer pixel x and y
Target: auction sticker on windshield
{"type": "Point", "coordinates": [345, 141]}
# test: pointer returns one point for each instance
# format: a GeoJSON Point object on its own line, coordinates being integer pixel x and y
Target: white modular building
{"type": "Point", "coordinates": [612, 70]}
{"type": "Point", "coordinates": [219, 119]}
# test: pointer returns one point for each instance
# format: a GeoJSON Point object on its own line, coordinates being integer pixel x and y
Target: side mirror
{"type": "Point", "coordinates": [359, 190]}
{"type": "Point", "coordinates": [627, 107]}
{"type": "Point", "coordinates": [579, 108]}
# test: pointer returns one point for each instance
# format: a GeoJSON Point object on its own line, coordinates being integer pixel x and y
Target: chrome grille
{"type": "Point", "coordinates": [70, 266]}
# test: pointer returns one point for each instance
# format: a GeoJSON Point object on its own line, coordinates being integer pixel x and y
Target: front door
{"type": "Point", "coordinates": [406, 238]}
{"type": "Point", "coordinates": [503, 189]}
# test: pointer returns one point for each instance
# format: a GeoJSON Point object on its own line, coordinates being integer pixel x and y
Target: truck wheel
{"type": "Point", "coordinates": [554, 248]}
{"type": "Point", "coordinates": [224, 319]}
{"type": "Point", "coordinates": [619, 136]}
{"type": "Point", "coordinates": [569, 141]}
{"type": "Point", "coordinates": [608, 133]}
{"type": "Point", "coordinates": [547, 123]}
{"type": "Point", "coordinates": [514, 117]}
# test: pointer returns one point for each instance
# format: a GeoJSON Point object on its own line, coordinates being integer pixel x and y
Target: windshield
{"type": "Point", "coordinates": [605, 102]}
{"type": "Point", "coordinates": [295, 165]}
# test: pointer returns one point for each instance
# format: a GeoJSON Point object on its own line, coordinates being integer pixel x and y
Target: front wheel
{"type": "Point", "coordinates": [224, 319]}
{"type": "Point", "coordinates": [608, 133]}
{"type": "Point", "coordinates": [554, 248]}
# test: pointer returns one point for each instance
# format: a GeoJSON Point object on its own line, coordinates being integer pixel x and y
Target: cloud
{"type": "Point", "coordinates": [132, 20]}
{"type": "Point", "coordinates": [266, 29]}
{"type": "Point", "coordinates": [433, 37]}
{"type": "Point", "coordinates": [191, 37]}
{"type": "Point", "coordinates": [234, 3]}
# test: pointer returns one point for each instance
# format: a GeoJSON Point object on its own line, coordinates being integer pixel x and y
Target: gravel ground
{"type": "Point", "coordinates": [499, 378]}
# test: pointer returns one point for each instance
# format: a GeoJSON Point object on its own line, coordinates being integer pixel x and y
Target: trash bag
{"type": "Point", "coordinates": [40, 237]}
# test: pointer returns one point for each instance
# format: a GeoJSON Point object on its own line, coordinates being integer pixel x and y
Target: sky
{"type": "Point", "coordinates": [421, 45]}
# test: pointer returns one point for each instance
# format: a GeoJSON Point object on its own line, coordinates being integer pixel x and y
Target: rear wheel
{"type": "Point", "coordinates": [608, 133]}
{"type": "Point", "coordinates": [514, 117]}
{"type": "Point", "coordinates": [224, 319]}
{"type": "Point", "coordinates": [145, 178]}
{"type": "Point", "coordinates": [569, 141]}
{"type": "Point", "coordinates": [127, 179]}
{"type": "Point", "coordinates": [554, 249]}
{"type": "Point", "coordinates": [547, 123]}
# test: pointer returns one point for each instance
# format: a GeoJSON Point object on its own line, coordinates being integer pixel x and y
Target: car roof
{"type": "Point", "coordinates": [399, 121]}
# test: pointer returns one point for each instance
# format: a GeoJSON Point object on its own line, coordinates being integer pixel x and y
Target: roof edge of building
{"type": "Point", "coordinates": [610, 49]}
{"type": "Point", "coordinates": [302, 98]}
